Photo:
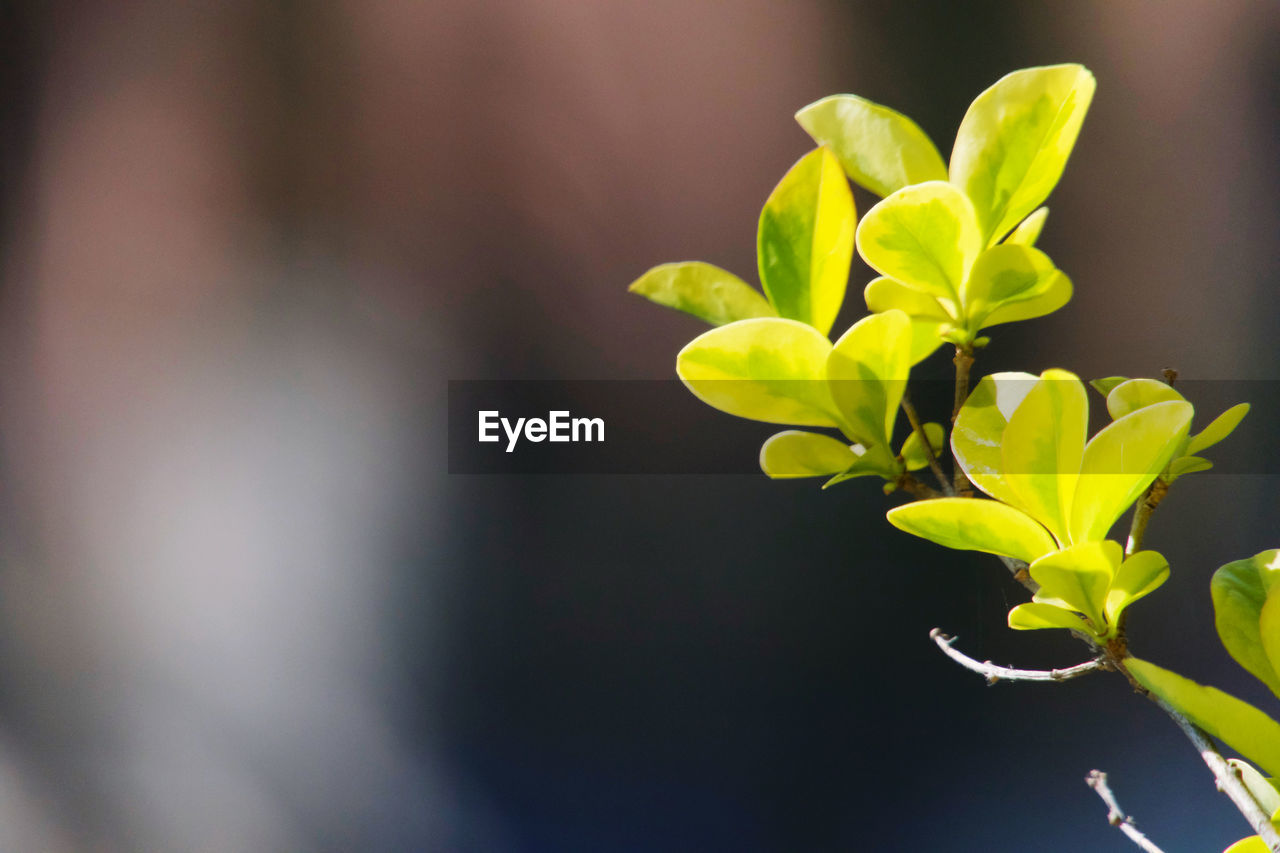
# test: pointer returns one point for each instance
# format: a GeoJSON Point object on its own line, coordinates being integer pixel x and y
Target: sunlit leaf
{"type": "Point", "coordinates": [1218, 429]}
{"type": "Point", "coordinates": [973, 524]}
{"type": "Point", "coordinates": [875, 461]}
{"type": "Point", "coordinates": [1005, 274]}
{"type": "Point", "coordinates": [867, 371]}
{"type": "Point", "coordinates": [1077, 578]}
{"type": "Point", "coordinates": [979, 430]}
{"type": "Point", "coordinates": [1043, 446]}
{"type": "Point", "coordinates": [1034, 615]}
{"type": "Point", "coordinates": [925, 338]}
{"type": "Point", "coordinates": [768, 369]}
{"type": "Point", "coordinates": [880, 149]}
{"type": "Point", "coordinates": [1252, 844]}
{"type": "Point", "coordinates": [705, 291]}
{"type": "Point", "coordinates": [1121, 461]}
{"type": "Point", "coordinates": [805, 241]}
{"type": "Point", "coordinates": [1103, 386]}
{"type": "Point", "coordinates": [796, 453]}
{"type": "Point", "coordinates": [913, 451]}
{"type": "Point", "coordinates": [1138, 576]}
{"type": "Point", "coordinates": [883, 293]}
{"type": "Point", "coordinates": [1187, 465]}
{"type": "Point", "coordinates": [1136, 394]}
{"type": "Point", "coordinates": [1014, 142]}
{"type": "Point", "coordinates": [1028, 231]}
{"type": "Point", "coordinates": [1240, 591]}
{"type": "Point", "coordinates": [925, 236]}
{"type": "Point", "coordinates": [1238, 724]}
{"type": "Point", "coordinates": [1056, 294]}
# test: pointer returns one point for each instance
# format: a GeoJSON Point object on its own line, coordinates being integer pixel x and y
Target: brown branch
{"type": "Point", "coordinates": [993, 673]}
{"type": "Point", "coordinates": [1097, 780]}
{"type": "Point", "coordinates": [918, 429]}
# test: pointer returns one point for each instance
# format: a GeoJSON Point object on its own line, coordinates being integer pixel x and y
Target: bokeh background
{"type": "Point", "coordinates": [243, 605]}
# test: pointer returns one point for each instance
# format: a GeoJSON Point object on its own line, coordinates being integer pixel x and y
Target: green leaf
{"type": "Point", "coordinates": [1238, 724]}
{"type": "Point", "coordinates": [925, 236]}
{"type": "Point", "coordinates": [883, 294]}
{"type": "Point", "coordinates": [880, 149]}
{"type": "Point", "coordinates": [1028, 231]}
{"type": "Point", "coordinates": [1078, 578]}
{"type": "Point", "coordinates": [1187, 465]}
{"type": "Point", "coordinates": [973, 524]}
{"type": "Point", "coordinates": [1138, 576]}
{"type": "Point", "coordinates": [1104, 386]}
{"type": "Point", "coordinates": [867, 371]}
{"type": "Point", "coordinates": [805, 242]}
{"type": "Point", "coordinates": [705, 291]}
{"type": "Point", "coordinates": [1043, 446]}
{"type": "Point", "coordinates": [1005, 274]}
{"type": "Point", "coordinates": [1134, 394]}
{"type": "Point", "coordinates": [913, 451]}
{"type": "Point", "coordinates": [1014, 142]}
{"type": "Point", "coordinates": [1056, 294]}
{"type": "Point", "coordinates": [1121, 461]}
{"type": "Point", "coordinates": [979, 430]}
{"type": "Point", "coordinates": [875, 461]}
{"type": "Point", "coordinates": [1034, 615]}
{"type": "Point", "coordinates": [1240, 591]}
{"type": "Point", "coordinates": [1221, 427]}
{"type": "Point", "coordinates": [796, 453]}
{"type": "Point", "coordinates": [767, 369]}
{"type": "Point", "coordinates": [1252, 844]}
{"type": "Point", "coordinates": [1262, 790]}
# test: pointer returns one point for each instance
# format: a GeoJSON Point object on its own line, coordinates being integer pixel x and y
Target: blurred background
{"type": "Point", "coordinates": [243, 605]}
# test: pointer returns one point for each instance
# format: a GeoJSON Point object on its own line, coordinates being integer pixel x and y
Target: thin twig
{"type": "Point", "coordinates": [1229, 782]}
{"type": "Point", "coordinates": [963, 362]}
{"type": "Point", "coordinates": [1151, 499]}
{"type": "Point", "coordinates": [918, 429]}
{"type": "Point", "coordinates": [1097, 780]}
{"type": "Point", "coordinates": [993, 673]}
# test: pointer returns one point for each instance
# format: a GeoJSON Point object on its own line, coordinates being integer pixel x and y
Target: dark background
{"type": "Point", "coordinates": [243, 605]}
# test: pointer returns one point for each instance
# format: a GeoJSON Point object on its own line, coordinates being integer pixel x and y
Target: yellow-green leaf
{"type": "Point", "coordinates": [913, 451]}
{"type": "Point", "coordinates": [767, 369]}
{"type": "Point", "coordinates": [1252, 844]}
{"type": "Point", "coordinates": [925, 236]}
{"type": "Point", "coordinates": [1004, 275]}
{"type": "Point", "coordinates": [867, 371]}
{"type": "Point", "coordinates": [796, 453]}
{"type": "Point", "coordinates": [1138, 576]}
{"type": "Point", "coordinates": [1187, 465]}
{"type": "Point", "coordinates": [979, 430]}
{"type": "Point", "coordinates": [1043, 446]}
{"type": "Point", "coordinates": [1014, 142]}
{"type": "Point", "coordinates": [1121, 461]}
{"type": "Point", "coordinates": [883, 293]}
{"type": "Point", "coordinates": [1236, 723]}
{"type": "Point", "coordinates": [1034, 615]}
{"type": "Point", "coordinates": [1078, 578]}
{"type": "Point", "coordinates": [1028, 231]}
{"type": "Point", "coordinates": [805, 241]}
{"type": "Point", "coordinates": [1219, 428]}
{"type": "Point", "coordinates": [973, 524]}
{"type": "Point", "coordinates": [1056, 294]}
{"type": "Point", "coordinates": [1240, 591]}
{"type": "Point", "coordinates": [1106, 384]}
{"type": "Point", "coordinates": [880, 149]}
{"type": "Point", "coordinates": [703, 290]}
{"type": "Point", "coordinates": [872, 461]}
{"type": "Point", "coordinates": [1136, 394]}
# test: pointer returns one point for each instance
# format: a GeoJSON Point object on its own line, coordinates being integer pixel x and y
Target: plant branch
{"type": "Point", "coordinates": [918, 429]}
{"type": "Point", "coordinates": [1097, 780]}
{"type": "Point", "coordinates": [963, 362]}
{"type": "Point", "coordinates": [1229, 782]}
{"type": "Point", "coordinates": [993, 673]}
